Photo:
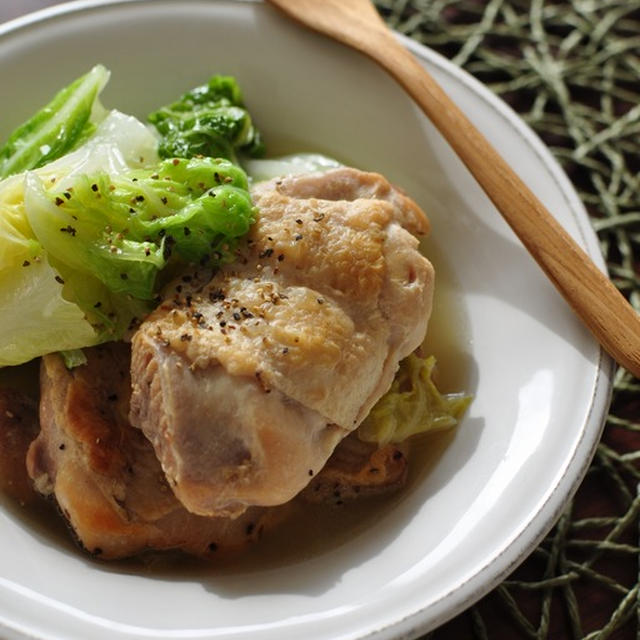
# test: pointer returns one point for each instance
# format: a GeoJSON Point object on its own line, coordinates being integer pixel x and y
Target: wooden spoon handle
{"type": "Point", "coordinates": [610, 318]}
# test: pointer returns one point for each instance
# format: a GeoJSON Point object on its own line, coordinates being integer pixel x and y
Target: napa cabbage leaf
{"type": "Point", "coordinates": [62, 125]}
{"type": "Point", "coordinates": [210, 120]}
{"type": "Point", "coordinates": [413, 405]}
{"type": "Point", "coordinates": [90, 215]}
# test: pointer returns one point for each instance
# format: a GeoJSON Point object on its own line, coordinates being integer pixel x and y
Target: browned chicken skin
{"type": "Point", "coordinates": [104, 473]}
{"type": "Point", "coordinates": [358, 469]}
{"type": "Point", "coordinates": [108, 483]}
{"type": "Point", "coordinates": [246, 385]}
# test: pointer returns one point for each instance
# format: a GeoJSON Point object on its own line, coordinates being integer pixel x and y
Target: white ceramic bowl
{"type": "Point", "coordinates": [541, 384]}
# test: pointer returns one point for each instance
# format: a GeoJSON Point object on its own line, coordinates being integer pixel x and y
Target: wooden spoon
{"type": "Point", "coordinates": [601, 307]}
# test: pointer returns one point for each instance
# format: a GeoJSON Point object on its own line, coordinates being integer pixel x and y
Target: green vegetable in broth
{"type": "Point", "coordinates": [121, 229]}
{"type": "Point", "coordinates": [96, 216]}
{"type": "Point", "coordinates": [210, 120]}
{"type": "Point", "coordinates": [62, 125]}
{"type": "Point", "coordinates": [413, 405]}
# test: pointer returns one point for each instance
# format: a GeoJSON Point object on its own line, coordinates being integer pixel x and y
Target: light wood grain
{"type": "Point", "coordinates": [596, 301]}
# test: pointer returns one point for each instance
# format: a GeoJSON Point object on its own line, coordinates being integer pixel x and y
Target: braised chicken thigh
{"type": "Point", "coordinates": [108, 484]}
{"type": "Point", "coordinates": [104, 474]}
{"type": "Point", "coordinates": [246, 383]}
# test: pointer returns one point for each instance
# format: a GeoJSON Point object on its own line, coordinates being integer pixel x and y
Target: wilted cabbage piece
{"type": "Point", "coordinates": [413, 405]}
{"type": "Point", "coordinates": [122, 228]}
{"type": "Point", "coordinates": [210, 120]}
{"type": "Point", "coordinates": [63, 124]}
{"type": "Point", "coordinates": [84, 237]}
{"type": "Point", "coordinates": [36, 318]}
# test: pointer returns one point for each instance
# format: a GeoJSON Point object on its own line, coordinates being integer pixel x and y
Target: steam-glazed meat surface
{"type": "Point", "coordinates": [245, 385]}
{"type": "Point", "coordinates": [104, 473]}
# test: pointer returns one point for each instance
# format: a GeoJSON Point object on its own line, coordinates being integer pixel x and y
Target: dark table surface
{"type": "Point", "coordinates": [525, 606]}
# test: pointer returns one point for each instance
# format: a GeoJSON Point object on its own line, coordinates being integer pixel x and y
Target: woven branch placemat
{"type": "Point", "coordinates": [572, 71]}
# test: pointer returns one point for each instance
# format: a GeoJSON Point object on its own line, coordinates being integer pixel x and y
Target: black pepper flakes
{"type": "Point", "coordinates": [216, 295]}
